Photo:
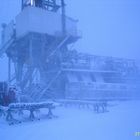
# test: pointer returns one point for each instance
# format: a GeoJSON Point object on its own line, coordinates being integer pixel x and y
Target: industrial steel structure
{"type": "Point", "coordinates": [38, 41]}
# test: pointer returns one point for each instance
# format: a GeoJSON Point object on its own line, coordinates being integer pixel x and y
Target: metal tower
{"type": "Point", "coordinates": [36, 42]}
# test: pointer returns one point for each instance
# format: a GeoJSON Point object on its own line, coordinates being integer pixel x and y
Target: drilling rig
{"type": "Point", "coordinates": [37, 43]}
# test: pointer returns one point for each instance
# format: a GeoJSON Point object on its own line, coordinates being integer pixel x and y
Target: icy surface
{"type": "Point", "coordinates": [120, 123]}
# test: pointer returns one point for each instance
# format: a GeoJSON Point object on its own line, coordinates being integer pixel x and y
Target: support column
{"type": "Point", "coordinates": [9, 70]}
{"type": "Point", "coordinates": [31, 59]}
{"type": "Point", "coordinates": [63, 18]}
{"type": "Point", "coordinates": [19, 73]}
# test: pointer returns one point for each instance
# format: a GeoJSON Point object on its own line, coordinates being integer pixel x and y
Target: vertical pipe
{"type": "Point", "coordinates": [9, 70]}
{"type": "Point", "coordinates": [63, 17]}
{"type": "Point", "coordinates": [31, 58]}
{"type": "Point", "coordinates": [22, 5]}
{"type": "Point", "coordinates": [31, 50]}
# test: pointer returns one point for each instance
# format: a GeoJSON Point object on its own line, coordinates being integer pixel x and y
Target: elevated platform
{"type": "Point", "coordinates": [33, 19]}
{"type": "Point", "coordinates": [39, 21]}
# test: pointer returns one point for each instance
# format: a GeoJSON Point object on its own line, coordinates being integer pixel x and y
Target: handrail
{"type": "Point", "coordinates": [5, 46]}
{"type": "Point", "coordinates": [50, 83]}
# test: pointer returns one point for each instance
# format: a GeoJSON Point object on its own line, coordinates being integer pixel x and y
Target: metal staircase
{"type": "Point", "coordinates": [6, 46]}
{"type": "Point", "coordinates": [59, 46]}
{"type": "Point", "coordinates": [44, 91]}
{"type": "Point", "coordinates": [36, 93]}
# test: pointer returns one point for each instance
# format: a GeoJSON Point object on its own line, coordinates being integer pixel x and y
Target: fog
{"type": "Point", "coordinates": [108, 27]}
{"type": "Point", "coordinates": [72, 96]}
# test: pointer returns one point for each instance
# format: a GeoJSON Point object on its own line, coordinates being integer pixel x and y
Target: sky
{"type": "Point", "coordinates": [108, 27]}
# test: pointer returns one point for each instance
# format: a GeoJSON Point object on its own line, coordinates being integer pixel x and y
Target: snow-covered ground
{"type": "Point", "coordinates": [120, 123]}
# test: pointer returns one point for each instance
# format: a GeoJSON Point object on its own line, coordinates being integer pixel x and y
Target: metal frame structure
{"type": "Point", "coordinates": [47, 58]}
{"type": "Point", "coordinates": [37, 52]}
{"type": "Point", "coordinates": [50, 5]}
